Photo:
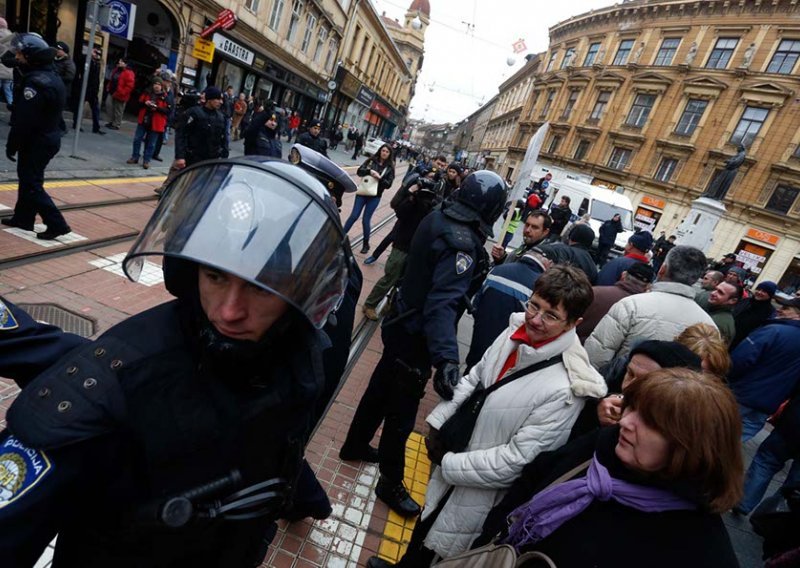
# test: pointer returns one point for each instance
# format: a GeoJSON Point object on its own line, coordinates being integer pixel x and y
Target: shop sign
{"type": "Point", "coordinates": [225, 21]}
{"type": "Point", "coordinates": [763, 236]}
{"type": "Point", "coordinates": [233, 49]}
{"type": "Point", "coordinates": [653, 202]}
{"type": "Point", "coordinates": [380, 109]}
{"type": "Point", "coordinates": [752, 257]}
{"type": "Point", "coordinates": [203, 50]}
{"type": "Point", "coordinates": [365, 96]}
{"type": "Point", "coordinates": [118, 18]}
{"type": "Point", "coordinates": [349, 85]}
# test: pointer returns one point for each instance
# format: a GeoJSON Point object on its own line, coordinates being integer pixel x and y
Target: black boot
{"type": "Point", "coordinates": [368, 454]}
{"type": "Point", "coordinates": [377, 562]}
{"type": "Point", "coordinates": [10, 222]}
{"type": "Point", "coordinates": [52, 234]}
{"type": "Point", "coordinates": [397, 498]}
{"type": "Point", "coordinates": [365, 248]}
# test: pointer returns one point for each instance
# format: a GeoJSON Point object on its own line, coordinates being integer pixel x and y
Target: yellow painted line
{"type": "Point", "coordinates": [397, 532]}
{"type": "Point", "coordinates": [10, 186]}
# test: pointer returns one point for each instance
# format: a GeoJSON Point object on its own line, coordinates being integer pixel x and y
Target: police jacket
{"type": "Point", "coordinates": [316, 143]}
{"type": "Point", "coordinates": [444, 256]}
{"type": "Point", "coordinates": [260, 140]}
{"type": "Point", "coordinates": [102, 440]}
{"type": "Point", "coordinates": [411, 209]}
{"type": "Point", "coordinates": [200, 135]}
{"type": "Point", "coordinates": [37, 111]}
{"type": "Point", "coordinates": [560, 216]}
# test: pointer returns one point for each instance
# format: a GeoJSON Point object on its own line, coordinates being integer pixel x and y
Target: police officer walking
{"type": "Point", "coordinates": [200, 132]}
{"type": "Point", "coordinates": [35, 134]}
{"type": "Point", "coordinates": [311, 138]}
{"type": "Point", "coordinates": [176, 438]}
{"type": "Point", "coordinates": [445, 253]}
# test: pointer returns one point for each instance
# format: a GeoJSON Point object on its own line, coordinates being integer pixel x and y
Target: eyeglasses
{"type": "Point", "coordinates": [548, 318]}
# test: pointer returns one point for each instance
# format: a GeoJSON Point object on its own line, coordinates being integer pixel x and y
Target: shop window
{"type": "Point", "coordinates": [311, 23]}
{"type": "Point", "coordinates": [666, 53]}
{"type": "Point", "coordinates": [749, 125]}
{"type": "Point", "coordinates": [582, 149]}
{"type": "Point", "coordinates": [591, 55]}
{"type": "Point", "coordinates": [722, 53]}
{"type": "Point", "coordinates": [619, 158]}
{"type": "Point", "coordinates": [752, 257]}
{"type": "Point", "coordinates": [623, 52]}
{"type": "Point", "coordinates": [785, 57]}
{"type": "Point", "coordinates": [573, 98]}
{"type": "Point", "coordinates": [275, 14]}
{"type": "Point", "coordinates": [782, 199]}
{"type": "Point", "coordinates": [691, 117]}
{"type": "Point", "coordinates": [646, 219]}
{"type": "Point", "coordinates": [640, 110]}
{"type": "Point", "coordinates": [666, 169]}
{"type": "Point", "coordinates": [600, 105]}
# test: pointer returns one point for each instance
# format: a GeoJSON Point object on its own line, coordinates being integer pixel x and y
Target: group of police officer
{"type": "Point", "coordinates": [176, 438]}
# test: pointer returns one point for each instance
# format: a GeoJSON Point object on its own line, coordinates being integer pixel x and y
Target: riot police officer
{"type": "Point", "coordinates": [200, 132]}
{"type": "Point", "coordinates": [311, 138]}
{"type": "Point", "coordinates": [176, 438]}
{"type": "Point", "coordinates": [446, 253]}
{"type": "Point", "coordinates": [35, 134]}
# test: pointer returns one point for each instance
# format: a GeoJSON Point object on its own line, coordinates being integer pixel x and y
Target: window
{"type": "Point", "coordinates": [568, 57]}
{"type": "Point", "coordinates": [591, 55]}
{"type": "Point", "coordinates": [573, 98]}
{"type": "Point", "coordinates": [623, 51]}
{"type": "Point", "coordinates": [796, 153]}
{"type": "Point", "coordinates": [275, 14]}
{"type": "Point", "coordinates": [297, 8]}
{"type": "Point", "coordinates": [722, 52]}
{"type": "Point", "coordinates": [582, 149]}
{"type": "Point", "coordinates": [551, 94]}
{"type": "Point", "coordinates": [642, 105]}
{"type": "Point", "coordinates": [322, 36]}
{"type": "Point", "coordinates": [600, 105]}
{"type": "Point", "coordinates": [311, 22]}
{"type": "Point", "coordinates": [252, 5]}
{"type": "Point", "coordinates": [552, 61]}
{"type": "Point", "coordinates": [785, 57]}
{"type": "Point", "coordinates": [691, 116]}
{"type": "Point", "coordinates": [619, 158]}
{"type": "Point", "coordinates": [749, 125]}
{"type": "Point", "coordinates": [666, 53]}
{"type": "Point", "coordinates": [666, 168]}
{"type": "Point", "coordinates": [333, 46]}
{"type": "Point", "coordinates": [555, 142]}
{"type": "Point", "coordinates": [782, 199]}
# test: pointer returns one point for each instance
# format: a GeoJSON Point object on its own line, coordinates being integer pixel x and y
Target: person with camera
{"type": "Point", "coordinates": [153, 112]}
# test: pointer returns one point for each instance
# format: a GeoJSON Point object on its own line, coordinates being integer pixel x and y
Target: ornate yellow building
{"type": "Point", "coordinates": [655, 95]}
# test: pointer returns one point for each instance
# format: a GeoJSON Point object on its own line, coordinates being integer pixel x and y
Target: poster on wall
{"type": "Point", "coordinates": [646, 220]}
{"type": "Point", "coordinates": [118, 18]}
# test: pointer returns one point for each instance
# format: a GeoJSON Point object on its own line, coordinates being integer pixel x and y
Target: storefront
{"type": "Point", "coordinates": [359, 109]}
{"type": "Point", "coordinates": [790, 281]}
{"type": "Point", "coordinates": [383, 117]}
{"type": "Point", "coordinates": [648, 213]}
{"type": "Point", "coordinates": [754, 250]}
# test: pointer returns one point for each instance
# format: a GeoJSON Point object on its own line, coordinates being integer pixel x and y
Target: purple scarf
{"type": "Point", "coordinates": [554, 506]}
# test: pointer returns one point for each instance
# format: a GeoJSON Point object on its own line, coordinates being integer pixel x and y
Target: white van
{"type": "Point", "coordinates": [601, 204]}
{"type": "Point", "coordinates": [559, 174]}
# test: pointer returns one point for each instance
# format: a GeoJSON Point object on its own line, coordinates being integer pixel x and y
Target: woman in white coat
{"type": "Point", "coordinates": [530, 415]}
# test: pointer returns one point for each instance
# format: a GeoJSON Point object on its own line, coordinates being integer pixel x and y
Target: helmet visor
{"type": "Point", "coordinates": [253, 224]}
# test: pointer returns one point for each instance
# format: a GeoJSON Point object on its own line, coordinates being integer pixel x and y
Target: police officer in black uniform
{"type": "Point", "coordinates": [312, 139]}
{"type": "Point", "coordinates": [200, 132]}
{"type": "Point", "coordinates": [445, 254]}
{"type": "Point", "coordinates": [35, 135]}
{"type": "Point", "coordinates": [176, 438]}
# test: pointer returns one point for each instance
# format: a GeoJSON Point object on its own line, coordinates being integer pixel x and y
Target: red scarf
{"type": "Point", "coordinates": [521, 336]}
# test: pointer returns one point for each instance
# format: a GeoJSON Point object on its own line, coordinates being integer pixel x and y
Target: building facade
{"type": "Point", "coordinates": [654, 96]}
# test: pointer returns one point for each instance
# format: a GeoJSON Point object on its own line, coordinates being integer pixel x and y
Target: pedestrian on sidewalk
{"type": "Point", "coordinates": [168, 82]}
{"type": "Point", "coordinates": [294, 125]}
{"type": "Point", "coordinates": [358, 144]}
{"type": "Point", "coordinates": [92, 94]}
{"type": "Point", "coordinates": [6, 73]}
{"type": "Point", "coordinates": [120, 87]}
{"type": "Point", "coordinates": [152, 120]}
{"type": "Point", "coordinates": [239, 109]}
{"type": "Point", "coordinates": [381, 168]}
{"type": "Point", "coordinates": [65, 67]}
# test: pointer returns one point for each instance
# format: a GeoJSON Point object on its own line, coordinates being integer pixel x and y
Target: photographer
{"type": "Point", "coordinates": [153, 111]}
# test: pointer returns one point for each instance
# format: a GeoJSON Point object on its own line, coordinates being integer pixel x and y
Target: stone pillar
{"type": "Point", "coordinates": [697, 229]}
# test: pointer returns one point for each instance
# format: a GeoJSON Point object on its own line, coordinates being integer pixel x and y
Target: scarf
{"type": "Point", "coordinates": [553, 507]}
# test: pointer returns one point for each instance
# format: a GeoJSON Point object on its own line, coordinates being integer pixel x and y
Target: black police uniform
{"type": "Point", "coordinates": [260, 140]}
{"type": "Point", "coordinates": [200, 135]}
{"type": "Point", "coordinates": [36, 137]}
{"type": "Point", "coordinates": [316, 143]}
{"type": "Point", "coordinates": [420, 331]}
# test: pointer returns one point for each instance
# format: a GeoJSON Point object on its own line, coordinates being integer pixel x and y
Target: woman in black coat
{"type": "Point", "coordinates": [380, 167]}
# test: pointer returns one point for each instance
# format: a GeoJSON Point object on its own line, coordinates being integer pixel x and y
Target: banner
{"type": "Point", "coordinates": [203, 50]}
{"type": "Point", "coordinates": [118, 18]}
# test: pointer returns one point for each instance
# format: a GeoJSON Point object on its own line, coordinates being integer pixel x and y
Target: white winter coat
{"type": "Point", "coordinates": [6, 36]}
{"type": "Point", "coordinates": [532, 414]}
{"type": "Point", "coordinates": [661, 314]}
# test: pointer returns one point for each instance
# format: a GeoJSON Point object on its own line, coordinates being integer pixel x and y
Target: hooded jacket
{"type": "Point", "coordinates": [518, 421]}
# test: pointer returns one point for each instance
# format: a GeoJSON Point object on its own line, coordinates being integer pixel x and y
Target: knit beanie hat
{"type": "Point", "coordinates": [641, 271]}
{"type": "Point", "coordinates": [641, 240]}
{"type": "Point", "coordinates": [582, 234]}
{"type": "Point", "coordinates": [768, 287]}
{"type": "Point", "coordinates": [668, 354]}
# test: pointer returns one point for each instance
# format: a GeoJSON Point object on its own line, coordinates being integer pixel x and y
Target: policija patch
{"type": "Point", "coordinates": [463, 262]}
{"type": "Point", "coordinates": [21, 469]}
{"type": "Point", "coordinates": [7, 319]}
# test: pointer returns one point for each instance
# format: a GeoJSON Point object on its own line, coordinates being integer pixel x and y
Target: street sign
{"type": "Point", "coordinates": [118, 18]}
{"type": "Point", "coordinates": [225, 21]}
{"type": "Point", "coordinates": [203, 50]}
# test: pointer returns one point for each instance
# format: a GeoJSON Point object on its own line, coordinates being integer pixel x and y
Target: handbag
{"type": "Point", "coordinates": [368, 186]}
{"type": "Point", "coordinates": [456, 432]}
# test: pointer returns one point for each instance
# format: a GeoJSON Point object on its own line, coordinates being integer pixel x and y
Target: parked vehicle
{"type": "Point", "coordinates": [372, 145]}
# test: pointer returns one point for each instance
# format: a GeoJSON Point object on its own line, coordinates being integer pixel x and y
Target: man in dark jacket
{"type": "Point", "coordinates": [200, 132]}
{"type": "Point", "coordinates": [608, 236]}
{"type": "Point", "coordinates": [752, 312]}
{"type": "Point", "coordinates": [92, 96]}
{"type": "Point", "coordinates": [635, 251]}
{"type": "Point", "coordinates": [576, 252]}
{"type": "Point", "coordinates": [660, 251]}
{"type": "Point", "coordinates": [561, 215]}
{"type": "Point", "coordinates": [261, 136]}
{"type": "Point", "coordinates": [65, 67]}
{"type": "Point", "coordinates": [635, 280]}
{"type": "Point", "coordinates": [311, 138]}
{"type": "Point", "coordinates": [765, 368]}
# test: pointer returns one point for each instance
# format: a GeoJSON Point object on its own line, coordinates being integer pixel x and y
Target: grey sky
{"type": "Point", "coordinates": [461, 71]}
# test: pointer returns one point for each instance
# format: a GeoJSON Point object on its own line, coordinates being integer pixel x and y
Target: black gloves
{"type": "Point", "coordinates": [446, 378]}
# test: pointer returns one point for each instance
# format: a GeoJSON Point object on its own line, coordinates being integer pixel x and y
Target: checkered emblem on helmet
{"type": "Point", "coordinates": [241, 210]}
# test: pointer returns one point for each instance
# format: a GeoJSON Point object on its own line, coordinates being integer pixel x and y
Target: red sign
{"type": "Point", "coordinates": [519, 46]}
{"type": "Point", "coordinates": [381, 109]}
{"type": "Point", "coordinates": [225, 20]}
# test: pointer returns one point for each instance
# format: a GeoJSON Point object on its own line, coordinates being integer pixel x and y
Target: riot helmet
{"type": "Point", "coordinates": [336, 180]}
{"type": "Point", "coordinates": [481, 197]}
{"type": "Point", "coordinates": [260, 219]}
{"type": "Point", "coordinates": [34, 48]}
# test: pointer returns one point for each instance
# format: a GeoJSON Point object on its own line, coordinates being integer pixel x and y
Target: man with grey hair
{"type": "Point", "coordinates": [660, 314]}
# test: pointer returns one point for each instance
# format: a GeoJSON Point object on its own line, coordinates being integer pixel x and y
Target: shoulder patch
{"type": "Point", "coordinates": [21, 469]}
{"type": "Point", "coordinates": [7, 319]}
{"type": "Point", "coordinates": [463, 262]}
{"type": "Point", "coordinates": [29, 93]}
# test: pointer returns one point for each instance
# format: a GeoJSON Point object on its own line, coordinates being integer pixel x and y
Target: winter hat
{"type": "Point", "coordinates": [668, 354]}
{"type": "Point", "coordinates": [791, 302]}
{"type": "Point", "coordinates": [738, 271]}
{"type": "Point", "coordinates": [582, 234]}
{"type": "Point", "coordinates": [642, 241]}
{"type": "Point", "coordinates": [455, 166]}
{"type": "Point", "coordinates": [59, 44]}
{"type": "Point", "coordinates": [641, 271]}
{"type": "Point", "coordinates": [212, 93]}
{"type": "Point", "coordinates": [768, 287]}
{"type": "Point", "coordinates": [315, 122]}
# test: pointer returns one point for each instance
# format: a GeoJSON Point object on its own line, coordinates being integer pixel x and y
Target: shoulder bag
{"type": "Point", "coordinates": [368, 186]}
{"type": "Point", "coordinates": [455, 434]}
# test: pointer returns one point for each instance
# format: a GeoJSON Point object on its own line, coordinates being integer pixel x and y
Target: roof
{"type": "Point", "coordinates": [422, 5]}
{"type": "Point", "coordinates": [389, 22]}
